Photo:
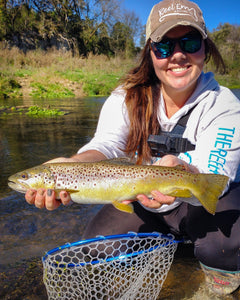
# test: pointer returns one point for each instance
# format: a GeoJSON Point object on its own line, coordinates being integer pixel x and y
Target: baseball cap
{"type": "Point", "coordinates": [168, 14]}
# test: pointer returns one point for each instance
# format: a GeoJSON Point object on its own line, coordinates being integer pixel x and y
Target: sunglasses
{"type": "Point", "coordinates": [189, 43]}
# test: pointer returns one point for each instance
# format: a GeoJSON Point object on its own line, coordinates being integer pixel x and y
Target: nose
{"type": "Point", "coordinates": [178, 52]}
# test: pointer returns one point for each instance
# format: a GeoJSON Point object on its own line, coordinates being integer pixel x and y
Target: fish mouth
{"type": "Point", "coordinates": [17, 186]}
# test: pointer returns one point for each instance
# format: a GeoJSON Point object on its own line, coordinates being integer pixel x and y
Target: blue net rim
{"type": "Point", "coordinates": [169, 237]}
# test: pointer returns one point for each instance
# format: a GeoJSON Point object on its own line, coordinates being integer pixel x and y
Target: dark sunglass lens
{"type": "Point", "coordinates": [191, 44]}
{"type": "Point", "coordinates": [163, 49]}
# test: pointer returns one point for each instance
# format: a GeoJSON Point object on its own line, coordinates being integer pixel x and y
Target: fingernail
{"type": "Point", "coordinates": [64, 194]}
{"type": "Point", "coordinates": [154, 194]}
{"type": "Point", "coordinates": [30, 193]}
{"type": "Point", "coordinates": [140, 198]}
{"type": "Point", "coordinates": [41, 192]}
{"type": "Point", "coordinates": [49, 192]}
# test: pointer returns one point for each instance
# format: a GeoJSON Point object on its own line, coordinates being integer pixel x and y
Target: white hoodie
{"type": "Point", "coordinates": [213, 126]}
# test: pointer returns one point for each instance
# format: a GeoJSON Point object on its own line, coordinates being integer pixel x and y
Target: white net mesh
{"type": "Point", "coordinates": [130, 266]}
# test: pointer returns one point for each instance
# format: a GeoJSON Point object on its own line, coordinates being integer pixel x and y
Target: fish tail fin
{"type": "Point", "coordinates": [210, 190]}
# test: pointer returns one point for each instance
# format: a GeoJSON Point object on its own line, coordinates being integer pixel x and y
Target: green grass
{"type": "Point", "coordinates": [76, 75]}
{"type": "Point", "coordinates": [32, 111]}
{"type": "Point", "coordinates": [50, 90]}
{"type": "Point", "coordinates": [95, 83]}
{"type": "Point", "coordinates": [56, 74]}
{"type": "Point", "coordinates": [22, 73]}
{"type": "Point", "coordinates": [100, 84]}
{"type": "Point", "coordinates": [37, 112]}
{"type": "Point", "coordinates": [9, 87]}
{"type": "Point", "coordinates": [229, 81]}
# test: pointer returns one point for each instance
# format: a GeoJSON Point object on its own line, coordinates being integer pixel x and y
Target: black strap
{"type": "Point", "coordinates": [183, 120]}
{"type": "Point", "coordinates": [171, 142]}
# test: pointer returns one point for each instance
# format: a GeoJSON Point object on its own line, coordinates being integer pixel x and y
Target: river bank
{"type": "Point", "coordinates": [57, 74]}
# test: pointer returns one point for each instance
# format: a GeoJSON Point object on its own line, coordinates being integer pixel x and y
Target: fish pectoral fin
{"type": "Point", "coordinates": [184, 193]}
{"type": "Point", "coordinates": [123, 207]}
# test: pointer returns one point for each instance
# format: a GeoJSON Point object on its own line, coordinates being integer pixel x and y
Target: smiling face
{"type": "Point", "coordinates": [179, 72]}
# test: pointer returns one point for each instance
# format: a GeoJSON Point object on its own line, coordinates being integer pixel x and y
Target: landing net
{"type": "Point", "coordinates": [128, 266]}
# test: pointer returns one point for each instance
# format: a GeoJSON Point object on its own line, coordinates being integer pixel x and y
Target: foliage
{"type": "Point", "coordinates": [96, 82]}
{"type": "Point", "coordinates": [82, 26]}
{"type": "Point", "coordinates": [58, 74]}
{"type": "Point", "coordinates": [227, 39]}
{"type": "Point", "coordinates": [50, 90]}
{"type": "Point", "coordinates": [32, 111]}
{"type": "Point", "coordinates": [100, 84]}
{"type": "Point", "coordinates": [9, 87]}
{"type": "Point", "coordinates": [36, 112]}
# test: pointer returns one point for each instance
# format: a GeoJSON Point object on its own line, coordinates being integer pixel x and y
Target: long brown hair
{"type": "Point", "coordinates": [142, 88]}
{"type": "Point", "coordinates": [212, 52]}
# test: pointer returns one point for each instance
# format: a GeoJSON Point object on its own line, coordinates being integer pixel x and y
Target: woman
{"type": "Point", "coordinates": [168, 83]}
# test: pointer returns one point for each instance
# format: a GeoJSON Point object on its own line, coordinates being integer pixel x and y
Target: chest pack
{"type": "Point", "coordinates": [171, 142]}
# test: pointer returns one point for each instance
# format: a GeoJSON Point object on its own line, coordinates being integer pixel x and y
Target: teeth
{"type": "Point", "coordinates": [179, 69]}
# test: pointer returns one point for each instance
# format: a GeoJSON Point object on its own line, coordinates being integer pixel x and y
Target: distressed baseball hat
{"type": "Point", "coordinates": [168, 14]}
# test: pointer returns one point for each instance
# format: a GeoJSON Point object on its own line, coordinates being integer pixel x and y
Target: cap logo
{"type": "Point", "coordinates": [177, 10]}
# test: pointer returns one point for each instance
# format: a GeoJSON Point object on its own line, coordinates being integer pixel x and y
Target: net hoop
{"type": "Point", "coordinates": [94, 268]}
{"type": "Point", "coordinates": [169, 237]}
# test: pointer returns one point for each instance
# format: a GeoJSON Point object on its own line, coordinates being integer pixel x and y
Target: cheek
{"type": "Point", "coordinates": [199, 57]}
{"type": "Point", "coordinates": [159, 64]}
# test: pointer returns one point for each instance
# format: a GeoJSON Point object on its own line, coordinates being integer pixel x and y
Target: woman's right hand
{"type": "Point", "coordinates": [42, 198]}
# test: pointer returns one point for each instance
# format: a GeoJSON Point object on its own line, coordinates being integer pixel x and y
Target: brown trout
{"type": "Point", "coordinates": [112, 182]}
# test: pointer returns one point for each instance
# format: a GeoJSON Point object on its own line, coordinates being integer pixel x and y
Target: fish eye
{"type": "Point", "coordinates": [24, 176]}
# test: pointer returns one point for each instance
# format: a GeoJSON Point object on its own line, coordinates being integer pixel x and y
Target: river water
{"type": "Point", "coordinates": [27, 232]}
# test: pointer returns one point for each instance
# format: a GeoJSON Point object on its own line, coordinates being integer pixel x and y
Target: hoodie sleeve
{"type": "Point", "coordinates": [214, 128]}
{"type": "Point", "coordinates": [112, 129]}
{"type": "Point", "coordinates": [217, 135]}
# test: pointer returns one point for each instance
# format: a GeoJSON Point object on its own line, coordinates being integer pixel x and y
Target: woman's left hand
{"type": "Point", "coordinates": [157, 200]}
